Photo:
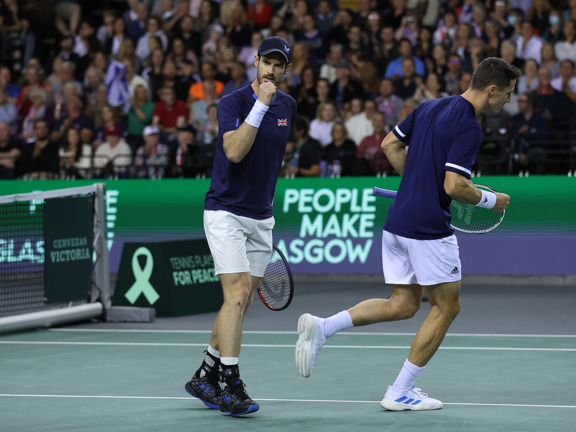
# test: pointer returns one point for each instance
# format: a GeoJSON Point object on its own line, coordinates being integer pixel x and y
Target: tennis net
{"type": "Point", "coordinates": [54, 259]}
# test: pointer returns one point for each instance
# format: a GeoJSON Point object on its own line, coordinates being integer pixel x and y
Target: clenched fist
{"type": "Point", "coordinates": [502, 201]}
{"type": "Point", "coordinates": [267, 92]}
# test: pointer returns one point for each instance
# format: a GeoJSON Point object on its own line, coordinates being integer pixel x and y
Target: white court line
{"type": "Point", "coordinates": [268, 400]}
{"type": "Point", "coordinates": [295, 332]}
{"type": "Point", "coordinates": [162, 344]}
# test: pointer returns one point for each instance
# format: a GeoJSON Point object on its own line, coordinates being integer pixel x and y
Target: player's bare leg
{"type": "Point", "coordinates": [226, 340]}
{"type": "Point", "coordinates": [237, 292]}
{"type": "Point", "coordinates": [402, 304]}
{"type": "Point", "coordinates": [445, 305]}
{"type": "Point", "coordinates": [238, 289]}
{"type": "Point", "coordinates": [313, 331]}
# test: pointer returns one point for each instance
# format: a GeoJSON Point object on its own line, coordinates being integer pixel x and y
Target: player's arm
{"type": "Point", "coordinates": [237, 143]}
{"type": "Point", "coordinates": [461, 189]}
{"type": "Point", "coordinates": [395, 151]}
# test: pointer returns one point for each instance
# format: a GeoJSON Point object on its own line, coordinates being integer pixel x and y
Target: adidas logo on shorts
{"type": "Point", "coordinates": [455, 271]}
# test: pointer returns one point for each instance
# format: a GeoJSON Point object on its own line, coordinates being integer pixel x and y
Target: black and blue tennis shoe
{"type": "Point", "coordinates": [235, 401]}
{"type": "Point", "coordinates": [207, 389]}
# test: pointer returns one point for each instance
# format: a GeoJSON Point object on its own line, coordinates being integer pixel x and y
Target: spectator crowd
{"type": "Point", "coordinates": [129, 89]}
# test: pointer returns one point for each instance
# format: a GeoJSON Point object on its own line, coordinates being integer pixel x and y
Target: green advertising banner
{"type": "Point", "coordinates": [175, 277]}
{"type": "Point", "coordinates": [327, 225]}
{"type": "Point", "coordinates": [68, 247]}
{"type": "Point", "coordinates": [169, 206]}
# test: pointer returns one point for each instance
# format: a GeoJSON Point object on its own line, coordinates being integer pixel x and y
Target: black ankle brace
{"type": "Point", "coordinates": [230, 373]}
{"type": "Point", "coordinates": [210, 365]}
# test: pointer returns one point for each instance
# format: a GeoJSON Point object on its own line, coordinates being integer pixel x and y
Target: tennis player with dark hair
{"type": "Point", "coordinates": [419, 249]}
{"type": "Point", "coordinates": [254, 124]}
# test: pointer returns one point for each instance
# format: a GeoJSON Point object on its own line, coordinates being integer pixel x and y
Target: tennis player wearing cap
{"type": "Point", "coordinates": [254, 124]}
{"type": "Point", "coordinates": [419, 249]}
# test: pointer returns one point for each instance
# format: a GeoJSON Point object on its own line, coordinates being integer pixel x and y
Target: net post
{"type": "Point", "coordinates": [101, 289]}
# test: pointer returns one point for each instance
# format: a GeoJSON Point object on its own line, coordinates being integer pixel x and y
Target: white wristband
{"type": "Point", "coordinates": [257, 113]}
{"type": "Point", "coordinates": [488, 200]}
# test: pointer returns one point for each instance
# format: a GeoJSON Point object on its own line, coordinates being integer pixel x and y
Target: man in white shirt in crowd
{"type": "Point", "coordinates": [359, 126]}
{"type": "Point", "coordinates": [113, 157]}
{"type": "Point", "coordinates": [335, 56]}
{"type": "Point", "coordinates": [529, 45]}
{"type": "Point", "coordinates": [566, 82]}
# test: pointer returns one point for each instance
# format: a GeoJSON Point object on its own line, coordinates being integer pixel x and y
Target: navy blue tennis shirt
{"type": "Point", "coordinates": [442, 134]}
{"type": "Point", "coordinates": [247, 188]}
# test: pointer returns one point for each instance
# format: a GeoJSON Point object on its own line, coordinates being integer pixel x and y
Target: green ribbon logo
{"type": "Point", "coordinates": [142, 276]}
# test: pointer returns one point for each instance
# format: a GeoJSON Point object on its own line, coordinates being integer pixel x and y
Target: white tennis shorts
{"type": "Point", "coordinates": [425, 262]}
{"type": "Point", "coordinates": [238, 244]}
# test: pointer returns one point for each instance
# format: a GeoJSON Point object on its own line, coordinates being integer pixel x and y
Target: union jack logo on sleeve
{"type": "Point", "coordinates": [282, 122]}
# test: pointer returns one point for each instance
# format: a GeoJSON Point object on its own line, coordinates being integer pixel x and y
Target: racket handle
{"type": "Point", "coordinates": [384, 192]}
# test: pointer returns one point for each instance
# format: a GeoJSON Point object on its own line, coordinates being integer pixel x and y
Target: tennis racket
{"type": "Point", "coordinates": [465, 217]}
{"type": "Point", "coordinates": [277, 286]}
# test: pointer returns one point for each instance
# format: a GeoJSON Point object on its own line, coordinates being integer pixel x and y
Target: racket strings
{"type": "Point", "coordinates": [474, 219]}
{"type": "Point", "coordinates": [275, 287]}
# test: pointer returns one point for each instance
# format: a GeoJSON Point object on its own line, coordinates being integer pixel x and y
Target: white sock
{"type": "Point", "coordinates": [213, 351]}
{"type": "Point", "coordinates": [337, 323]}
{"type": "Point", "coordinates": [229, 361]}
{"type": "Point", "coordinates": [407, 377]}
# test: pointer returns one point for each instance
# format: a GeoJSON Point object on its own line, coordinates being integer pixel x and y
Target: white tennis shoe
{"type": "Point", "coordinates": [310, 340]}
{"type": "Point", "coordinates": [414, 400]}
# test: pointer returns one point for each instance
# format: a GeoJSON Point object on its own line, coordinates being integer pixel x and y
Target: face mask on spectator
{"type": "Point", "coordinates": [554, 19]}
{"type": "Point", "coordinates": [512, 19]}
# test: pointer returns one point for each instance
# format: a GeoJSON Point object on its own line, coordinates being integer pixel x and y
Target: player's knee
{"type": "Point", "coordinates": [450, 310]}
{"type": "Point", "coordinates": [455, 310]}
{"type": "Point", "coordinates": [240, 298]}
{"type": "Point", "coordinates": [410, 309]}
{"type": "Point", "coordinates": [406, 309]}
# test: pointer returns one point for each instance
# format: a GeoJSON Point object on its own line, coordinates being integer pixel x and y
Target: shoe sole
{"type": "Point", "coordinates": [304, 355]}
{"type": "Point", "coordinates": [190, 391]}
{"type": "Point", "coordinates": [251, 409]}
{"type": "Point", "coordinates": [391, 405]}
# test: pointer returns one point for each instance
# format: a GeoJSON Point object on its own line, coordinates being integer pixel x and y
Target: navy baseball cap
{"type": "Point", "coordinates": [276, 44]}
